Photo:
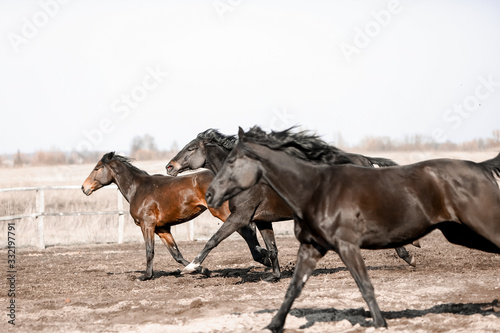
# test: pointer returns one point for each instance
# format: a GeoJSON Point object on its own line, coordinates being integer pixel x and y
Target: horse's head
{"type": "Point", "coordinates": [102, 175]}
{"type": "Point", "coordinates": [208, 150]}
{"type": "Point", "coordinates": [191, 157]}
{"type": "Point", "coordinates": [241, 170]}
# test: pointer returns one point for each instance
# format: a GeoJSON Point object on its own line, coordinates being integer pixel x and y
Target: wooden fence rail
{"type": "Point", "coordinates": [40, 209]}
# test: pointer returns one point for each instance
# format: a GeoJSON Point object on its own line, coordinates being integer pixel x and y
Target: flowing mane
{"type": "Point", "coordinates": [214, 136]}
{"type": "Point", "coordinates": [123, 159]}
{"type": "Point", "coordinates": [303, 145]}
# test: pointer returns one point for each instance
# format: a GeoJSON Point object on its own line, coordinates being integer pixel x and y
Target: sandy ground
{"type": "Point", "coordinates": [94, 288]}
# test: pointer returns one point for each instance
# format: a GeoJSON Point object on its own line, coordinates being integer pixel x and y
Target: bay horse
{"type": "Point", "coordinates": [157, 202]}
{"type": "Point", "coordinates": [260, 204]}
{"type": "Point", "coordinates": [346, 207]}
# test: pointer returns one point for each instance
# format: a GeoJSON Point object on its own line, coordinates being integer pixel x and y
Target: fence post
{"type": "Point", "coordinates": [40, 208]}
{"type": "Point", "coordinates": [121, 218]}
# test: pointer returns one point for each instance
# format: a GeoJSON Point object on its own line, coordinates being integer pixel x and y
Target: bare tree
{"type": "Point", "coordinates": [496, 136]}
{"type": "Point", "coordinates": [18, 159]}
{"type": "Point", "coordinates": [144, 147]}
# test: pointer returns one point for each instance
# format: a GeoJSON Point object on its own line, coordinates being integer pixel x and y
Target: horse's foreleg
{"type": "Point", "coordinates": [147, 229]}
{"type": "Point", "coordinates": [232, 224]}
{"type": "Point", "coordinates": [167, 239]}
{"type": "Point", "coordinates": [351, 256]}
{"type": "Point", "coordinates": [259, 254]}
{"type": "Point", "coordinates": [307, 258]}
{"type": "Point", "coordinates": [406, 256]}
{"type": "Point", "coordinates": [267, 232]}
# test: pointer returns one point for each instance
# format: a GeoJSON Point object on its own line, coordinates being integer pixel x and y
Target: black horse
{"type": "Point", "coordinates": [260, 204]}
{"type": "Point", "coordinates": [346, 207]}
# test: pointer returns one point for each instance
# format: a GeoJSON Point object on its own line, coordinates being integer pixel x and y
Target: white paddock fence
{"type": "Point", "coordinates": [201, 228]}
{"type": "Point", "coordinates": [40, 212]}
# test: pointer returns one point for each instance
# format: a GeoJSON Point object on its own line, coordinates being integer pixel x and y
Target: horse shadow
{"type": "Point", "coordinates": [251, 274]}
{"type": "Point", "coordinates": [156, 274]}
{"type": "Point", "coordinates": [361, 316]}
{"type": "Point", "coordinates": [245, 273]}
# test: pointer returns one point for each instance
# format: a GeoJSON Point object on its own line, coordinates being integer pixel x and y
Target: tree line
{"type": "Point", "coordinates": [144, 148]}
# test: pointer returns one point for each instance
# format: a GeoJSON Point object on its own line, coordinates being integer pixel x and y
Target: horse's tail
{"type": "Point", "coordinates": [493, 165]}
{"type": "Point", "coordinates": [381, 162]}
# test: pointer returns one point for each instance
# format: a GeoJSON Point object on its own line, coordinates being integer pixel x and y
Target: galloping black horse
{"type": "Point", "coordinates": [260, 204]}
{"type": "Point", "coordinates": [346, 207]}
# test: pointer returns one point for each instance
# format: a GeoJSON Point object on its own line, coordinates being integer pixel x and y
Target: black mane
{"type": "Point", "coordinates": [111, 156]}
{"type": "Point", "coordinates": [214, 136]}
{"type": "Point", "coordinates": [303, 145]}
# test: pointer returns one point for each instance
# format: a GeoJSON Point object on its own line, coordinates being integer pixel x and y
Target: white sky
{"type": "Point", "coordinates": [69, 68]}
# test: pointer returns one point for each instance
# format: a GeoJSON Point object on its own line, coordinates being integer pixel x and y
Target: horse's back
{"type": "Point", "coordinates": [201, 179]}
{"type": "Point", "coordinates": [417, 196]}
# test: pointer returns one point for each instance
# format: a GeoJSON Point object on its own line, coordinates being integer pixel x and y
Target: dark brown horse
{"type": "Point", "coordinates": [158, 202]}
{"type": "Point", "coordinates": [345, 208]}
{"type": "Point", "coordinates": [259, 204]}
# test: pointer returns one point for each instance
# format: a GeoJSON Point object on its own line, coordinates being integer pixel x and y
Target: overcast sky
{"type": "Point", "coordinates": [78, 75]}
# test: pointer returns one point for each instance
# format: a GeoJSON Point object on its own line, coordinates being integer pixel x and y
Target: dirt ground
{"type": "Point", "coordinates": [94, 288]}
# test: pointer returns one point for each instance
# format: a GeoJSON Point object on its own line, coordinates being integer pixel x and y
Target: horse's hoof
{"type": "Point", "coordinates": [272, 279]}
{"type": "Point", "coordinates": [413, 262]}
{"type": "Point", "coordinates": [206, 272]}
{"type": "Point", "coordinates": [380, 323]}
{"type": "Point", "coordinates": [410, 260]}
{"type": "Point", "coordinates": [144, 278]}
{"type": "Point", "coordinates": [191, 268]}
{"type": "Point", "coordinates": [273, 329]}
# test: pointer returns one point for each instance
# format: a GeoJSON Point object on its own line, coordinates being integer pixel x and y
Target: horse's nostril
{"type": "Point", "coordinates": [208, 197]}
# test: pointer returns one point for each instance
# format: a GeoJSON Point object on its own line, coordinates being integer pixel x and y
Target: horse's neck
{"type": "Point", "coordinates": [127, 179]}
{"type": "Point", "coordinates": [216, 156]}
{"type": "Point", "coordinates": [293, 179]}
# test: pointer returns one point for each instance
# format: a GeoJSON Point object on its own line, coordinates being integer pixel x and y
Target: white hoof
{"type": "Point", "coordinates": [413, 261]}
{"type": "Point", "coordinates": [191, 268]}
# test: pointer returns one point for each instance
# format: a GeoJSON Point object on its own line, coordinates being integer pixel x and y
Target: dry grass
{"type": "Point", "coordinates": [104, 229]}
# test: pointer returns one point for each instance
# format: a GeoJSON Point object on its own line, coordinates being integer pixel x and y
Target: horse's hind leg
{"type": "Point", "coordinates": [307, 258]}
{"type": "Point", "coordinates": [406, 256]}
{"type": "Point", "coordinates": [259, 254]}
{"type": "Point", "coordinates": [167, 239]}
{"type": "Point", "coordinates": [351, 256]}
{"type": "Point", "coordinates": [267, 232]}
{"type": "Point", "coordinates": [462, 235]}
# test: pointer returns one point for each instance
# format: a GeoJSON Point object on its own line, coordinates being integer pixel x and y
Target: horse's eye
{"type": "Point", "coordinates": [191, 148]}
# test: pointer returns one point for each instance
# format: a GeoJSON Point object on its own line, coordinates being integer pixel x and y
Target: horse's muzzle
{"type": "Point", "coordinates": [173, 168]}
{"type": "Point", "coordinates": [211, 200]}
{"type": "Point", "coordinates": [88, 191]}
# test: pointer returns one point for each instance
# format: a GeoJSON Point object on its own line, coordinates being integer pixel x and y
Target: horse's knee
{"type": "Point", "coordinates": [212, 243]}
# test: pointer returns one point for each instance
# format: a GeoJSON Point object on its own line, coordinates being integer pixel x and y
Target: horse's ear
{"type": "Point", "coordinates": [241, 133]}
{"type": "Point", "coordinates": [107, 157]}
